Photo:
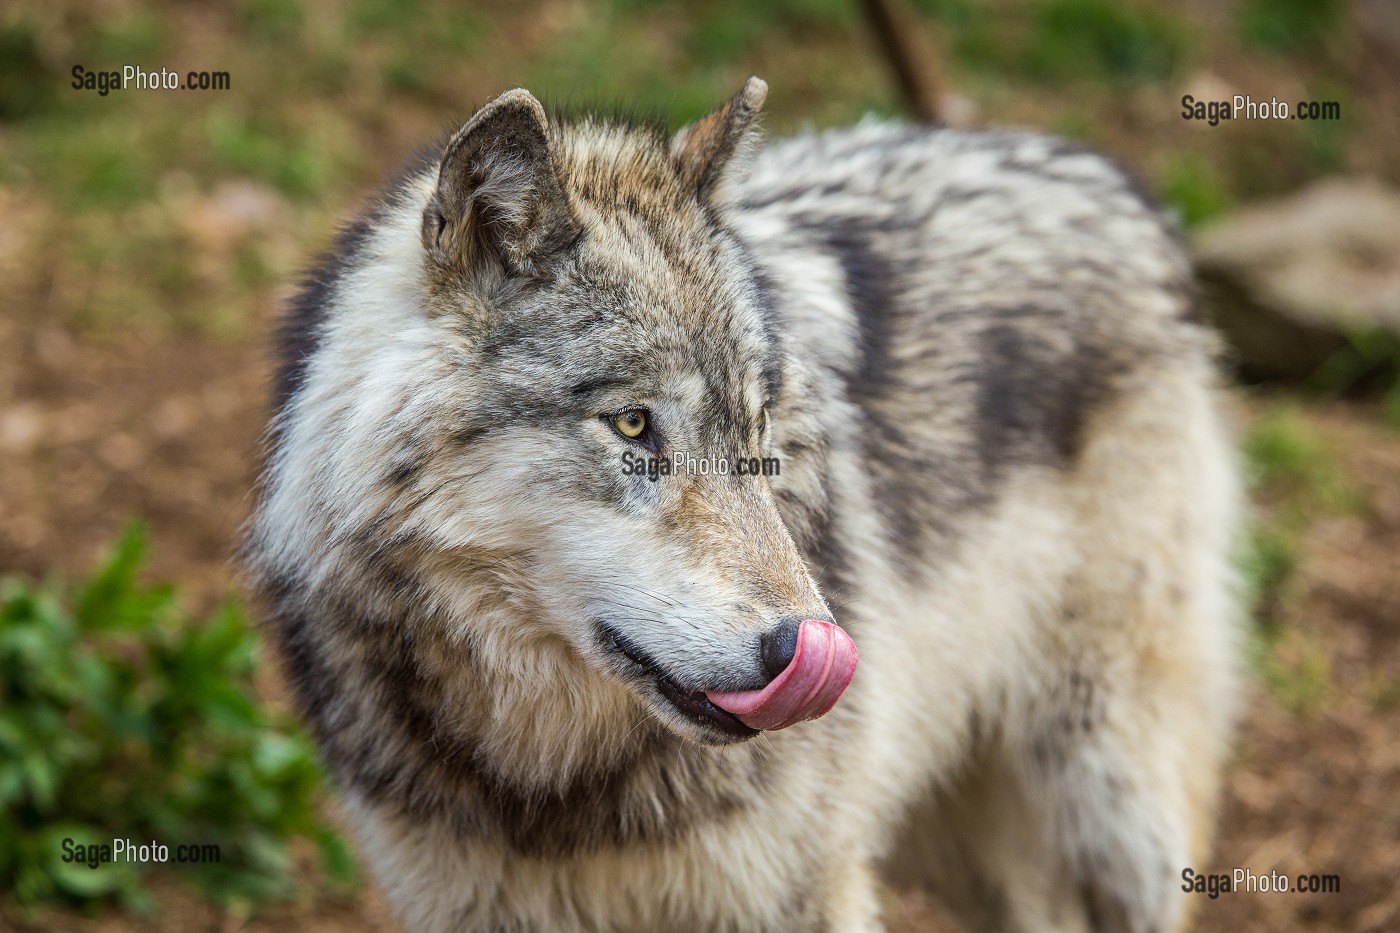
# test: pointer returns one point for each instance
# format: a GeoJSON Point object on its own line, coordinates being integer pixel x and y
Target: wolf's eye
{"type": "Point", "coordinates": [631, 423]}
{"type": "Point", "coordinates": [762, 421]}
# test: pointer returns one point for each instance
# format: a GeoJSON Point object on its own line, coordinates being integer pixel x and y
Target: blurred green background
{"type": "Point", "coordinates": [147, 240]}
{"type": "Point", "coordinates": [327, 95]}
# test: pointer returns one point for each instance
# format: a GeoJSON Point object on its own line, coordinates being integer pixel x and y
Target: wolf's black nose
{"type": "Point", "coordinates": [778, 646]}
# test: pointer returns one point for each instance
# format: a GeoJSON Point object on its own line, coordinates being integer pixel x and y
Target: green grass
{"type": "Point", "coordinates": [1193, 189]}
{"type": "Point", "coordinates": [25, 86]}
{"type": "Point", "coordinates": [611, 63]}
{"type": "Point", "coordinates": [1296, 479]}
{"type": "Point", "coordinates": [274, 21]}
{"type": "Point", "coordinates": [1291, 465]}
{"type": "Point", "coordinates": [322, 92]}
{"type": "Point", "coordinates": [727, 30]}
{"type": "Point", "coordinates": [1270, 557]}
{"type": "Point", "coordinates": [132, 37]}
{"type": "Point", "coordinates": [1063, 41]}
{"type": "Point", "coordinates": [1288, 26]}
{"type": "Point", "coordinates": [1392, 405]}
{"type": "Point", "coordinates": [1104, 40]}
{"type": "Point", "coordinates": [1326, 142]}
{"type": "Point", "coordinates": [293, 161]}
{"type": "Point", "coordinates": [1296, 668]}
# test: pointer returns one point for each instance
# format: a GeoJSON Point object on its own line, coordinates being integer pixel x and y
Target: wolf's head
{"type": "Point", "coordinates": [521, 331]}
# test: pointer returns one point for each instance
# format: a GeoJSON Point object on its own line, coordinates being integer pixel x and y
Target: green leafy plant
{"type": "Point", "coordinates": [122, 718]}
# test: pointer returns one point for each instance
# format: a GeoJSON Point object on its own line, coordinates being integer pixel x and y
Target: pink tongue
{"type": "Point", "coordinates": [820, 669]}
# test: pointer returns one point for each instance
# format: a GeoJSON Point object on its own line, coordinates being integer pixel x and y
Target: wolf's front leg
{"type": "Point", "coordinates": [852, 902]}
{"type": "Point", "coordinates": [1077, 833]}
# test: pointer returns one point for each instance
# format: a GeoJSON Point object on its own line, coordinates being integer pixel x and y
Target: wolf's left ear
{"type": "Point", "coordinates": [705, 148]}
{"type": "Point", "coordinates": [498, 194]}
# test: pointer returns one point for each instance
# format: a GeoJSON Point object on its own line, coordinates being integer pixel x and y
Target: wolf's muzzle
{"type": "Point", "coordinates": [691, 703]}
{"type": "Point", "coordinates": [822, 663]}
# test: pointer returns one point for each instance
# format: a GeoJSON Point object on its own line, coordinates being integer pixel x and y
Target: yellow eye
{"type": "Point", "coordinates": [762, 421]}
{"type": "Point", "coordinates": [631, 423]}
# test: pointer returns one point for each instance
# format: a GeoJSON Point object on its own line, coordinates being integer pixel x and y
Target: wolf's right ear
{"type": "Point", "coordinates": [498, 194]}
{"type": "Point", "coordinates": [704, 149]}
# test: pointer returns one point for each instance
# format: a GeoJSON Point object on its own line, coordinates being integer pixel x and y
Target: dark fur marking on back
{"type": "Point", "coordinates": [872, 284]}
{"type": "Point", "coordinates": [1033, 400]}
{"type": "Point", "coordinates": [1024, 399]}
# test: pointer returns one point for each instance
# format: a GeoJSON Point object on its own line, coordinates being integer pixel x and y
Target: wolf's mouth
{"type": "Point", "coordinates": [692, 704]}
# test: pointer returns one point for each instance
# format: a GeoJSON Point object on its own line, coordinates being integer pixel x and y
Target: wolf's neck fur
{"type": "Point", "coordinates": [477, 745]}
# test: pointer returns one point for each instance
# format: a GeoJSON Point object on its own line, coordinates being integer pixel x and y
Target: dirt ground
{"type": "Point", "coordinates": [94, 433]}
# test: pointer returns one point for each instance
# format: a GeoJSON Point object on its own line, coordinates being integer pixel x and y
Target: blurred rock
{"type": "Point", "coordinates": [1288, 280]}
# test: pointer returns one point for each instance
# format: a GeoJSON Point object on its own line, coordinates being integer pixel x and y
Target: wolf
{"type": "Point", "coordinates": [976, 633]}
